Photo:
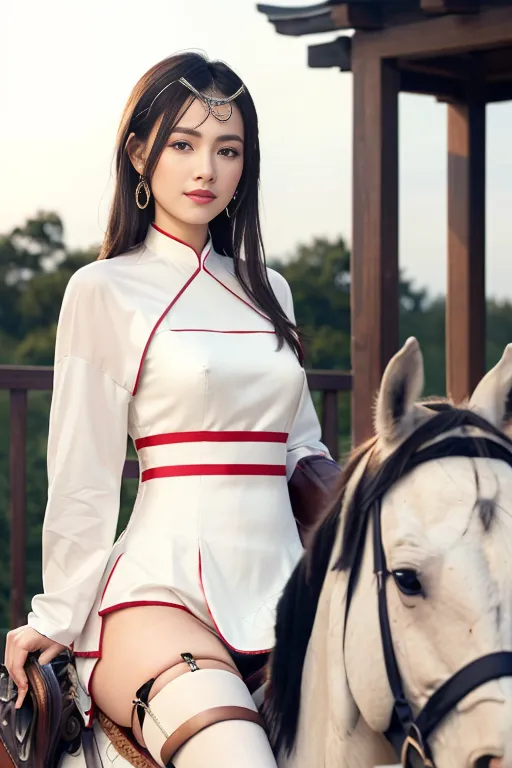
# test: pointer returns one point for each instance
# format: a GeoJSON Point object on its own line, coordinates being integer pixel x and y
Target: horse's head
{"type": "Point", "coordinates": [426, 521]}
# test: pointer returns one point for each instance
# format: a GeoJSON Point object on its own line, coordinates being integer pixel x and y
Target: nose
{"type": "Point", "coordinates": [205, 167]}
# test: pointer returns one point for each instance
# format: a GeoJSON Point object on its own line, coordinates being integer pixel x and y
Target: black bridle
{"type": "Point", "coordinates": [408, 734]}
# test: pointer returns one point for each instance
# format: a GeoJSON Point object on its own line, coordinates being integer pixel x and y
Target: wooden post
{"type": "Point", "coordinates": [465, 301]}
{"type": "Point", "coordinates": [374, 264]}
{"type": "Point", "coordinates": [330, 422]}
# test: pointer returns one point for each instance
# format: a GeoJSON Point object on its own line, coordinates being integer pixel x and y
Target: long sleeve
{"type": "Point", "coordinates": [86, 453]}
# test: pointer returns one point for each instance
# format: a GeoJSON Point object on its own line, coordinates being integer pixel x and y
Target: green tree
{"type": "Point", "coordinates": [319, 276]}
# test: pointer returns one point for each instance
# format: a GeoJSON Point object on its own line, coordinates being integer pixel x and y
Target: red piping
{"type": "Point", "coordinates": [235, 294]}
{"type": "Point", "coordinates": [166, 310]}
{"type": "Point", "coordinates": [211, 436]}
{"type": "Point", "coordinates": [177, 239]}
{"type": "Point", "coordinates": [97, 654]}
{"type": "Point", "coordinates": [138, 603]}
{"type": "Point", "coordinates": [189, 470]}
{"type": "Point", "coordinates": [212, 330]}
{"type": "Point", "coordinates": [248, 653]}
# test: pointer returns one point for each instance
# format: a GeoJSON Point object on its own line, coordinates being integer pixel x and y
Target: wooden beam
{"type": "Point", "coordinates": [455, 67]}
{"type": "Point", "coordinates": [465, 303]}
{"type": "Point", "coordinates": [450, 6]}
{"type": "Point", "coordinates": [495, 92]}
{"type": "Point", "coordinates": [419, 82]}
{"type": "Point", "coordinates": [336, 53]}
{"type": "Point", "coordinates": [353, 16]}
{"type": "Point", "coordinates": [496, 64]}
{"type": "Point", "coordinates": [374, 262]}
{"type": "Point", "coordinates": [444, 35]}
{"type": "Point", "coordinates": [26, 377]}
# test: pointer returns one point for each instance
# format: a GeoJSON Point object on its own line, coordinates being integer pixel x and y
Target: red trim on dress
{"type": "Point", "coordinates": [188, 470]}
{"type": "Point", "coordinates": [177, 239]}
{"type": "Point", "coordinates": [138, 603]}
{"type": "Point", "coordinates": [164, 313]}
{"type": "Point", "coordinates": [232, 647]}
{"type": "Point", "coordinates": [211, 436]}
{"type": "Point", "coordinates": [258, 312]}
{"type": "Point", "coordinates": [212, 330]}
{"type": "Point", "coordinates": [97, 654]}
{"type": "Point", "coordinates": [90, 713]}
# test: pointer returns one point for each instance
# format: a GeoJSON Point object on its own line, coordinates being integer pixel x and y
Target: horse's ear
{"type": "Point", "coordinates": [492, 398]}
{"type": "Point", "coordinates": [401, 387]}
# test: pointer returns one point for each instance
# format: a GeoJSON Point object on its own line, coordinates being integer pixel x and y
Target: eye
{"type": "Point", "coordinates": [225, 150]}
{"type": "Point", "coordinates": [180, 145]}
{"type": "Point", "coordinates": [408, 582]}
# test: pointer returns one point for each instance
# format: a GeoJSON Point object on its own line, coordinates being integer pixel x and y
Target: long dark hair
{"type": "Point", "coordinates": [241, 230]}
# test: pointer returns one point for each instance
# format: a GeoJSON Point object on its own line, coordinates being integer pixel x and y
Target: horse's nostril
{"type": "Point", "coordinates": [488, 761]}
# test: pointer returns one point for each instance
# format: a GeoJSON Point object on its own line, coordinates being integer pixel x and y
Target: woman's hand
{"type": "Point", "coordinates": [19, 643]}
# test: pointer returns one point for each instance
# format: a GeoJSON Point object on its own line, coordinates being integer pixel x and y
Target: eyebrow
{"type": "Point", "coordinates": [193, 132]}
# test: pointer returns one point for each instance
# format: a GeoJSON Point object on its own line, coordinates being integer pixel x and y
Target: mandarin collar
{"type": "Point", "coordinates": [163, 244]}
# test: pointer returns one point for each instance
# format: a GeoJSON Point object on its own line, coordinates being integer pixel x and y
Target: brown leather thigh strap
{"type": "Point", "coordinates": [203, 720]}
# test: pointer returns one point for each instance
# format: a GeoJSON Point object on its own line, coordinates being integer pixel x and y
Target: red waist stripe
{"type": "Point", "coordinates": [167, 438]}
{"type": "Point", "coordinates": [184, 470]}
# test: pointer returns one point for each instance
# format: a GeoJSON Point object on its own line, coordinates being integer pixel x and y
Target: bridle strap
{"type": "Point", "coordinates": [470, 677]}
{"type": "Point", "coordinates": [402, 707]}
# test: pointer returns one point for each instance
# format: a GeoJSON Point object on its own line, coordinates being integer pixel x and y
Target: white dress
{"type": "Point", "coordinates": [162, 344]}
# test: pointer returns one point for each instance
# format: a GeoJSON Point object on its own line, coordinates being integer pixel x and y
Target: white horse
{"type": "Point", "coordinates": [446, 581]}
{"type": "Point", "coordinates": [445, 523]}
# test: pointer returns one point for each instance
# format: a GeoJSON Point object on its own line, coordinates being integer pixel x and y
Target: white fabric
{"type": "Point", "coordinates": [164, 340]}
{"type": "Point", "coordinates": [188, 695]}
{"type": "Point", "coordinates": [86, 450]}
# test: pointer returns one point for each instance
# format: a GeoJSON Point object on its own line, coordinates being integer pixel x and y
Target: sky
{"type": "Point", "coordinates": [68, 68]}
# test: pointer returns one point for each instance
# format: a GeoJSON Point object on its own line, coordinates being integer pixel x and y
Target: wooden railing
{"type": "Point", "coordinates": [20, 380]}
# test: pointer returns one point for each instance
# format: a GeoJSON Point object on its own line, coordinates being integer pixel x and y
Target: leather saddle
{"type": "Point", "coordinates": [48, 722]}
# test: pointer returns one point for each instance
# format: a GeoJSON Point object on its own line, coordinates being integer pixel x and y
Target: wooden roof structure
{"type": "Point", "coordinates": [459, 51]}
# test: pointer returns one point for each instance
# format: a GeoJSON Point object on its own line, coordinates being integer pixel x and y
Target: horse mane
{"type": "Point", "coordinates": [296, 610]}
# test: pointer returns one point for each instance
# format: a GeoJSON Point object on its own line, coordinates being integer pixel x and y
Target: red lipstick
{"type": "Point", "coordinates": [201, 196]}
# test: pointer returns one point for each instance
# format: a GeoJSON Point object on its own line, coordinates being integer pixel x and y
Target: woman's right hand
{"type": "Point", "coordinates": [19, 643]}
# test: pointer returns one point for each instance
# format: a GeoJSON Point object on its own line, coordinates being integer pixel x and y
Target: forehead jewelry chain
{"type": "Point", "coordinates": [213, 103]}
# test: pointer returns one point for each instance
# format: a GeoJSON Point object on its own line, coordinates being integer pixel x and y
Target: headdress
{"type": "Point", "coordinates": [220, 107]}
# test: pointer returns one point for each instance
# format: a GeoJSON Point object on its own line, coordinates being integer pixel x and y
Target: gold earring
{"type": "Point", "coordinates": [143, 184]}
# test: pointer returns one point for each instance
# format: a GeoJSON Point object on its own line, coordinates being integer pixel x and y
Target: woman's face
{"type": "Point", "coordinates": [204, 159]}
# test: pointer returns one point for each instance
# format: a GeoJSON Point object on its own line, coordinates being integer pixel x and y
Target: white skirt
{"type": "Point", "coordinates": [226, 565]}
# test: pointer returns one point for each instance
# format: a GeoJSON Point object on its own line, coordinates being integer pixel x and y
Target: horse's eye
{"type": "Point", "coordinates": [407, 582]}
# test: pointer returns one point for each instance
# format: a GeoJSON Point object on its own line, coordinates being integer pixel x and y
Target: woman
{"type": "Point", "coordinates": [175, 339]}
